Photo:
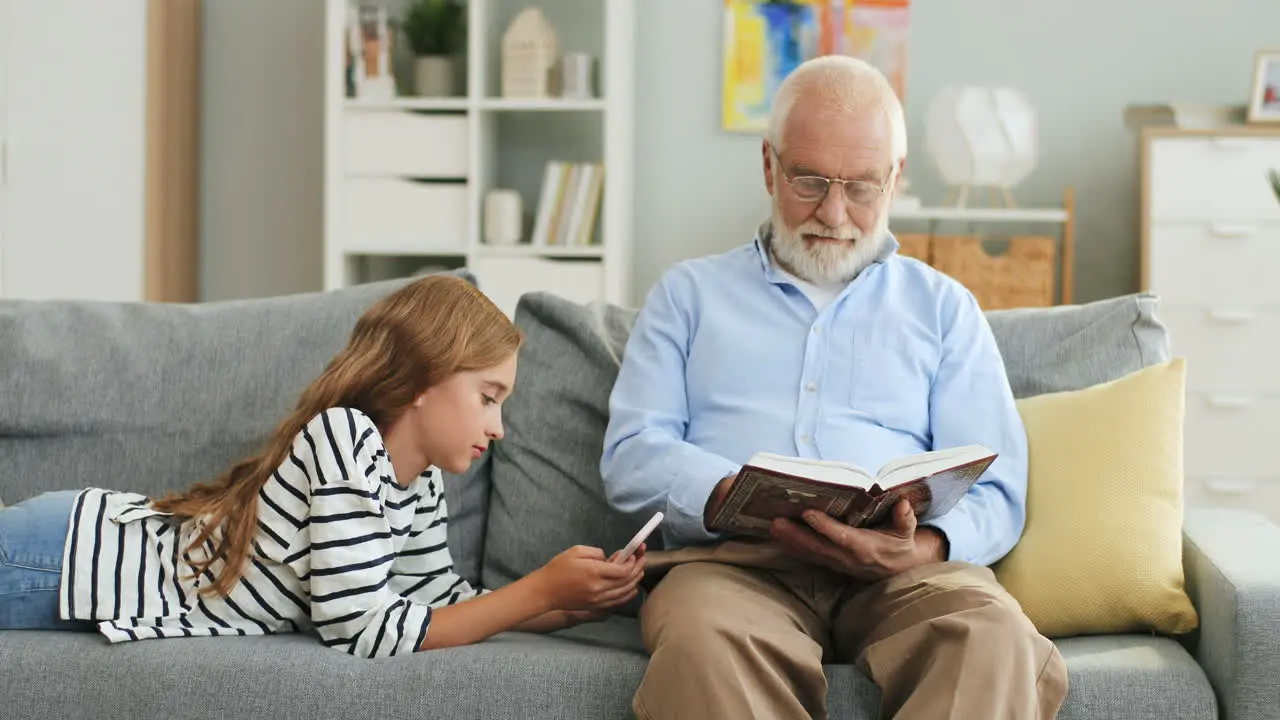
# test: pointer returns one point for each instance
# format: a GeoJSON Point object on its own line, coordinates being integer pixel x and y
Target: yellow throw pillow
{"type": "Point", "coordinates": [1102, 548]}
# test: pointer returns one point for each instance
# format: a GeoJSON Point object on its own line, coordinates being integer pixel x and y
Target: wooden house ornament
{"type": "Point", "coordinates": [530, 56]}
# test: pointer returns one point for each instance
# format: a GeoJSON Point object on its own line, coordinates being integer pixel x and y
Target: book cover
{"type": "Point", "coordinates": [758, 495]}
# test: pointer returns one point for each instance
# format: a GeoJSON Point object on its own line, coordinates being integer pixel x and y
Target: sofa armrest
{"type": "Point", "coordinates": [1232, 565]}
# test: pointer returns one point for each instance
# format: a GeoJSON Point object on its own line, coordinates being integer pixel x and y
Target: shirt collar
{"type": "Point", "coordinates": [772, 273]}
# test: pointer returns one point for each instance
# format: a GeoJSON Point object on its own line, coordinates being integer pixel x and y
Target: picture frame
{"type": "Point", "coordinates": [1264, 98]}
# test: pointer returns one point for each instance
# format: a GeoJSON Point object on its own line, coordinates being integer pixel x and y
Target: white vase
{"type": "Point", "coordinates": [503, 217]}
{"type": "Point", "coordinates": [433, 76]}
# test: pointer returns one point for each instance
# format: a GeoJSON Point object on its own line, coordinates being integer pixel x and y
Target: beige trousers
{"type": "Point", "coordinates": [741, 631]}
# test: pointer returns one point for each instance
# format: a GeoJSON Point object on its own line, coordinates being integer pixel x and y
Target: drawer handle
{"type": "Point", "coordinates": [1233, 231]}
{"type": "Point", "coordinates": [1232, 317]}
{"type": "Point", "coordinates": [1227, 486]}
{"type": "Point", "coordinates": [1230, 402]}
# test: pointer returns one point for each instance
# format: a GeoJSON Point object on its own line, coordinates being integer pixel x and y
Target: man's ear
{"type": "Point", "coordinates": [767, 156]}
{"type": "Point", "coordinates": [897, 174]}
{"type": "Point", "coordinates": [417, 402]}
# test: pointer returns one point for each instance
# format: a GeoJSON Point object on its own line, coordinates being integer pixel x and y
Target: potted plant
{"type": "Point", "coordinates": [435, 30]}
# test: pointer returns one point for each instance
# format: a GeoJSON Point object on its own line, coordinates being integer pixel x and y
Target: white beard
{"type": "Point", "coordinates": [822, 263]}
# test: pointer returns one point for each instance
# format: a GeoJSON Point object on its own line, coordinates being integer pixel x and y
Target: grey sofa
{"type": "Point", "coordinates": [150, 397]}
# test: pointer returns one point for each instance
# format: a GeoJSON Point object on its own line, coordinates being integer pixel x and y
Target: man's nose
{"type": "Point", "coordinates": [833, 211]}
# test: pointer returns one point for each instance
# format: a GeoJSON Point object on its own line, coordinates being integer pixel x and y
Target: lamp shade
{"type": "Point", "coordinates": [981, 136]}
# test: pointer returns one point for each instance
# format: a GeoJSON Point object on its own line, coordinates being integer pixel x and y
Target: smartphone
{"type": "Point", "coordinates": [639, 538]}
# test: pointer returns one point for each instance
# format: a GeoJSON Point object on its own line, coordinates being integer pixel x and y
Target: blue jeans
{"type": "Point", "coordinates": [32, 534]}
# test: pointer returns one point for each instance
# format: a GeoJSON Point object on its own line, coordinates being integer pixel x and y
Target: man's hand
{"type": "Point", "coordinates": [862, 553]}
{"type": "Point", "coordinates": [718, 494]}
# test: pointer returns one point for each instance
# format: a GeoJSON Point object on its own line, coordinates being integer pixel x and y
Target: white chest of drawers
{"type": "Point", "coordinates": [1211, 251]}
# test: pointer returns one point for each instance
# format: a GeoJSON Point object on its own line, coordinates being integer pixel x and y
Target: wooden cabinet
{"type": "Point", "coordinates": [1211, 251]}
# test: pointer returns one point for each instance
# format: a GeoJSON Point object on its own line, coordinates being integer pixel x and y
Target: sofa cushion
{"type": "Point", "coordinates": [1106, 482]}
{"type": "Point", "coordinates": [152, 397]}
{"type": "Point", "coordinates": [547, 491]}
{"type": "Point", "coordinates": [1075, 346]}
{"type": "Point", "coordinates": [588, 672]}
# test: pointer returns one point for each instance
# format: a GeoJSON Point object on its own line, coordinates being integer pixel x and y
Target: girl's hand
{"type": "Point", "coordinates": [639, 554]}
{"type": "Point", "coordinates": [581, 579]}
{"type": "Point", "coordinates": [561, 619]}
{"type": "Point", "coordinates": [578, 617]}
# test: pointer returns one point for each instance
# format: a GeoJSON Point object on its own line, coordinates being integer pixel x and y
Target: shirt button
{"type": "Point", "coordinates": [804, 438]}
{"type": "Point", "coordinates": [811, 387]}
{"type": "Point", "coordinates": [817, 330]}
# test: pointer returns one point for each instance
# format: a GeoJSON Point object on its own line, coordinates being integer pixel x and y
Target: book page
{"type": "Point", "coordinates": [914, 467]}
{"type": "Point", "coordinates": [929, 499]}
{"type": "Point", "coordinates": [823, 470]}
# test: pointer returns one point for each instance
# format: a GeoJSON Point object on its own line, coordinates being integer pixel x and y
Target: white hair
{"type": "Point", "coordinates": [846, 83]}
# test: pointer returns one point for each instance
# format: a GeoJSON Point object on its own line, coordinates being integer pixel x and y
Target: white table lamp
{"type": "Point", "coordinates": [982, 137]}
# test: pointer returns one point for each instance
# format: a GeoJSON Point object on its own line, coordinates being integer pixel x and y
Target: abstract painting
{"type": "Point", "coordinates": [764, 40]}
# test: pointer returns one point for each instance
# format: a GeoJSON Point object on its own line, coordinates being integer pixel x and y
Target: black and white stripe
{"type": "Point", "coordinates": [360, 560]}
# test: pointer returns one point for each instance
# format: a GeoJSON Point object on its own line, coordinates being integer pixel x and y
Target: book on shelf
{"type": "Point", "coordinates": [569, 204]}
{"type": "Point", "coordinates": [770, 486]}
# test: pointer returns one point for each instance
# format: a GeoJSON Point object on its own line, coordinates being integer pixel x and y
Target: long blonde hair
{"type": "Point", "coordinates": [403, 344]}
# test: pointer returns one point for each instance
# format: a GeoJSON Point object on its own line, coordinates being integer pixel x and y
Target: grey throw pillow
{"type": "Point", "coordinates": [547, 492]}
{"type": "Point", "coordinates": [1077, 346]}
{"type": "Point", "coordinates": [467, 496]}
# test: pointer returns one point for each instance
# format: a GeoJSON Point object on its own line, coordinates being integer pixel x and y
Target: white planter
{"type": "Point", "coordinates": [503, 217]}
{"type": "Point", "coordinates": [433, 76]}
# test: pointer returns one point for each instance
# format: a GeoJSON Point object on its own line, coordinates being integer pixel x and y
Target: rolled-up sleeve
{"type": "Point", "coordinates": [971, 403]}
{"type": "Point", "coordinates": [647, 465]}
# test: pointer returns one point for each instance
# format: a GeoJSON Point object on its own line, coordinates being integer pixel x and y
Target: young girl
{"type": "Point", "coordinates": [336, 527]}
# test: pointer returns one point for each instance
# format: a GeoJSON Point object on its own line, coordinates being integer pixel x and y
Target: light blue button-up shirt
{"type": "Point", "coordinates": [728, 358]}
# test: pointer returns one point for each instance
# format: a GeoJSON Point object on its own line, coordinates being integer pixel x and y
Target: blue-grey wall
{"type": "Point", "coordinates": [262, 148]}
{"type": "Point", "coordinates": [1080, 63]}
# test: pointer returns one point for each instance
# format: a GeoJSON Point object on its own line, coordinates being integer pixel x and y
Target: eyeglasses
{"type": "Point", "coordinates": [812, 188]}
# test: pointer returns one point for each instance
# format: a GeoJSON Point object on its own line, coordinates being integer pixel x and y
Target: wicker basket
{"type": "Point", "coordinates": [1021, 277]}
{"type": "Point", "coordinates": [915, 245]}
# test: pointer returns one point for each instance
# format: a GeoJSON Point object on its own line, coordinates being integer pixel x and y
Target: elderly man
{"type": "Point", "coordinates": [818, 340]}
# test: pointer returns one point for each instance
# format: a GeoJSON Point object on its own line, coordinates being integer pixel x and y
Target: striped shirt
{"type": "Point", "coordinates": [341, 551]}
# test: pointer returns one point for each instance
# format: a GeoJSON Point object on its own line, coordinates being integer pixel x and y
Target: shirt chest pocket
{"type": "Point", "coordinates": [891, 377]}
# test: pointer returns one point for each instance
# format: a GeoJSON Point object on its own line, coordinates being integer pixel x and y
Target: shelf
{"type": "Point", "coordinates": [542, 104]}
{"type": "Point", "coordinates": [462, 104]}
{"type": "Point", "coordinates": [410, 103]}
{"type": "Point", "coordinates": [547, 251]}
{"type": "Point", "coordinates": [1051, 215]}
{"type": "Point", "coordinates": [401, 252]}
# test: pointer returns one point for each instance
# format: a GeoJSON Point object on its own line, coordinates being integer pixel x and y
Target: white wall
{"type": "Point", "coordinates": [74, 122]}
{"type": "Point", "coordinates": [262, 133]}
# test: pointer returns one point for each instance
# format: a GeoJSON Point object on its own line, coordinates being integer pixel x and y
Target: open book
{"type": "Point", "coordinates": [771, 486]}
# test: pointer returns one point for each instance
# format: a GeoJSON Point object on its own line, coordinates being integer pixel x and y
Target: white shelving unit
{"type": "Point", "coordinates": [405, 178]}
